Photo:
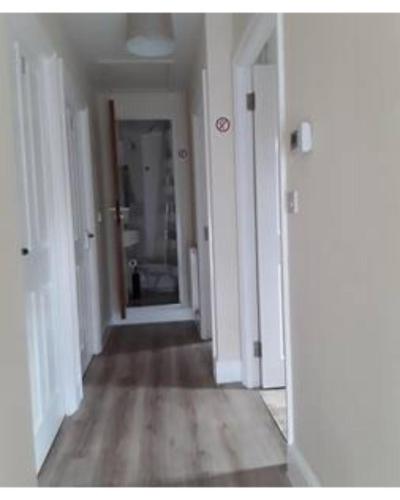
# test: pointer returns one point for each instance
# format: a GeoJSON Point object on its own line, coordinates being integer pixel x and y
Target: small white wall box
{"type": "Point", "coordinates": [301, 138]}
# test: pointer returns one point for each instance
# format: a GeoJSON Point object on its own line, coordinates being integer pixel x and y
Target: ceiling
{"type": "Point", "coordinates": [100, 40]}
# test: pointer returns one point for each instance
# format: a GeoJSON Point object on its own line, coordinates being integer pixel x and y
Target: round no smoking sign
{"type": "Point", "coordinates": [223, 124]}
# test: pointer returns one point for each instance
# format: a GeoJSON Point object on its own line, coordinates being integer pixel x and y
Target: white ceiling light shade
{"type": "Point", "coordinates": [150, 35]}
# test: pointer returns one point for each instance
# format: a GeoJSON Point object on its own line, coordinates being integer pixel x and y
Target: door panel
{"type": "Point", "coordinates": [84, 232]}
{"type": "Point", "coordinates": [80, 238]}
{"type": "Point", "coordinates": [90, 229]}
{"type": "Point", "coordinates": [268, 225]}
{"type": "Point", "coordinates": [39, 272]}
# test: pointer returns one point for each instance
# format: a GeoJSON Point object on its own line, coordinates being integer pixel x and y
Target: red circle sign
{"type": "Point", "coordinates": [223, 124]}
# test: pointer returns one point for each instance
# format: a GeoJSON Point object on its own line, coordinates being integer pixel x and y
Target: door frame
{"type": "Point", "coordinates": [80, 141]}
{"type": "Point", "coordinates": [257, 33]}
{"type": "Point", "coordinates": [199, 223]}
{"type": "Point", "coordinates": [119, 254]}
{"type": "Point", "coordinates": [198, 122]}
{"type": "Point", "coordinates": [83, 124]}
{"type": "Point", "coordinates": [170, 110]}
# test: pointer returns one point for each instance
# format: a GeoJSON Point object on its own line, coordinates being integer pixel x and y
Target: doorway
{"type": "Point", "coordinates": [261, 216]}
{"type": "Point", "coordinates": [148, 211]}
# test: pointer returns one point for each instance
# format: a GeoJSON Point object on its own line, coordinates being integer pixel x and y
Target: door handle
{"type": "Point", "coordinates": [117, 212]}
{"type": "Point", "coordinates": [24, 251]}
{"type": "Point", "coordinates": [90, 235]}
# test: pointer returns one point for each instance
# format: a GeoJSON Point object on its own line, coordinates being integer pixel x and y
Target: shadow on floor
{"type": "Point", "coordinates": [274, 476]}
{"type": "Point", "coordinates": [153, 355]}
{"type": "Point", "coordinates": [151, 337]}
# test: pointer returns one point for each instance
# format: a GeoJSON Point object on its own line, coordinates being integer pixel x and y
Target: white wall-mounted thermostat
{"type": "Point", "coordinates": [301, 138]}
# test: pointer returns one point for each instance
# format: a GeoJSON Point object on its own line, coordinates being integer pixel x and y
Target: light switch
{"type": "Point", "coordinates": [292, 202]}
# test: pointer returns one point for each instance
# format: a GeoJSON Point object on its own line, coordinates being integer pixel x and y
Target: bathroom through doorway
{"type": "Point", "coordinates": [148, 212]}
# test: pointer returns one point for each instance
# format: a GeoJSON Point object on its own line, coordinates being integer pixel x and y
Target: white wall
{"type": "Point", "coordinates": [222, 32]}
{"type": "Point", "coordinates": [150, 106]}
{"type": "Point", "coordinates": [219, 43]}
{"type": "Point", "coordinates": [343, 74]}
{"type": "Point", "coordinates": [16, 439]}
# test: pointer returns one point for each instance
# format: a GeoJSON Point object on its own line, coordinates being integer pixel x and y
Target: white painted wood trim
{"type": "Point", "coordinates": [245, 203]}
{"type": "Point", "coordinates": [299, 470]}
{"type": "Point", "coordinates": [214, 333]}
{"type": "Point", "coordinates": [194, 279]}
{"type": "Point", "coordinates": [228, 371]}
{"type": "Point", "coordinates": [255, 36]}
{"type": "Point", "coordinates": [155, 314]}
{"type": "Point", "coordinates": [88, 172]}
{"type": "Point", "coordinates": [284, 228]}
{"type": "Point", "coordinates": [269, 258]}
{"type": "Point", "coordinates": [173, 112]}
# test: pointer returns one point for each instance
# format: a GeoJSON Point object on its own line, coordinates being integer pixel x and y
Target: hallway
{"type": "Point", "coordinates": [152, 416]}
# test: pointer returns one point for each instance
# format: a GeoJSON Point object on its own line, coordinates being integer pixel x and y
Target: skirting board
{"type": "Point", "coordinates": [155, 314]}
{"type": "Point", "coordinates": [298, 469]}
{"type": "Point", "coordinates": [228, 371]}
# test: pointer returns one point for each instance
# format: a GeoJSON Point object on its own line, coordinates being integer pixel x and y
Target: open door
{"type": "Point", "coordinates": [79, 156]}
{"type": "Point", "coordinates": [266, 137]}
{"type": "Point", "coordinates": [118, 220]}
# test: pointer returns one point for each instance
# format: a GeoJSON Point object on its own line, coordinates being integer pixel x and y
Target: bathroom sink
{"type": "Point", "coordinates": [130, 237]}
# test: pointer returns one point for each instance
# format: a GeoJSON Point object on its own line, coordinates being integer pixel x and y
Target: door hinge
{"type": "Point", "coordinates": [206, 235]}
{"type": "Point", "coordinates": [257, 346]}
{"type": "Point", "coordinates": [23, 65]}
{"type": "Point", "coordinates": [251, 101]}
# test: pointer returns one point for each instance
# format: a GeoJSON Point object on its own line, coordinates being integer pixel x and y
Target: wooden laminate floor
{"type": "Point", "coordinates": [152, 416]}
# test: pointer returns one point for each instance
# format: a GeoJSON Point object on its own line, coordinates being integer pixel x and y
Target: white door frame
{"type": "Point", "coordinates": [83, 123]}
{"type": "Point", "coordinates": [200, 226]}
{"type": "Point", "coordinates": [256, 35]}
{"type": "Point", "coordinates": [170, 112]}
{"type": "Point", "coordinates": [81, 180]}
{"type": "Point", "coordinates": [267, 216]}
{"type": "Point", "coordinates": [207, 160]}
{"type": "Point", "coordinates": [203, 208]}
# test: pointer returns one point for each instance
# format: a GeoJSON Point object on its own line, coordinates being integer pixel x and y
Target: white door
{"type": "Point", "coordinates": [87, 191]}
{"type": "Point", "coordinates": [266, 136]}
{"type": "Point", "coordinates": [37, 250]}
{"type": "Point", "coordinates": [202, 228]}
{"type": "Point", "coordinates": [84, 233]}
